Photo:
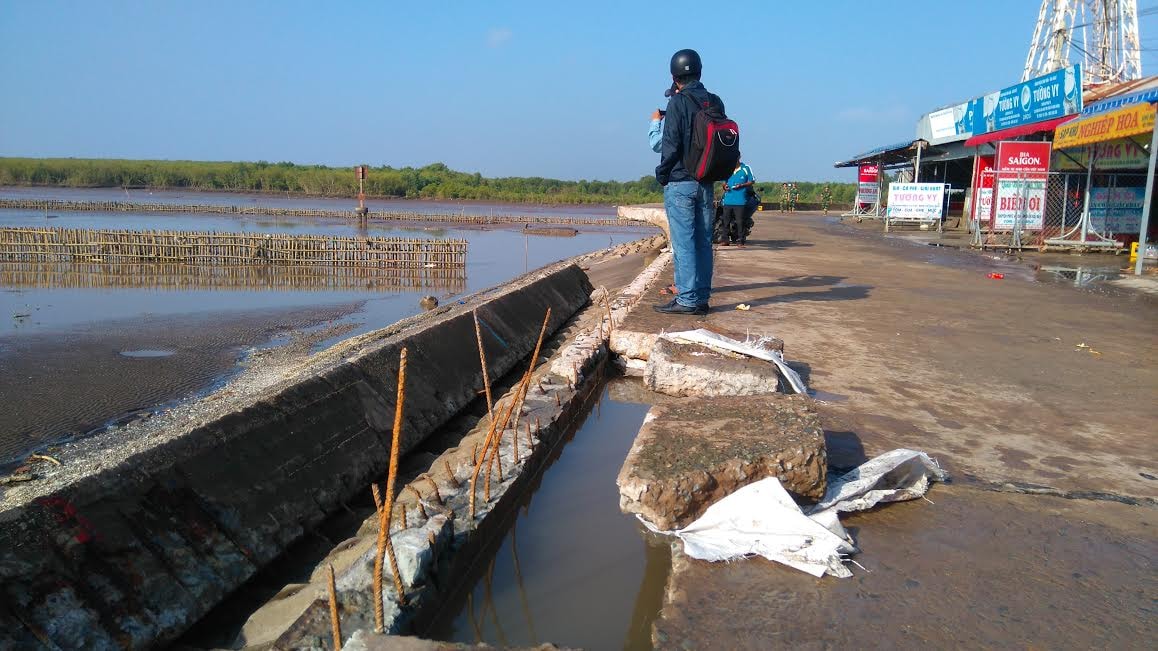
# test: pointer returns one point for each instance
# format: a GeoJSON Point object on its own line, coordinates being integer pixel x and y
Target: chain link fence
{"type": "Point", "coordinates": [1018, 210]}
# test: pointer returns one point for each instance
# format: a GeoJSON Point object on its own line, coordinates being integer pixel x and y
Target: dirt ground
{"type": "Point", "coordinates": [1027, 389]}
{"type": "Point", "coordinates": [1022, 380]}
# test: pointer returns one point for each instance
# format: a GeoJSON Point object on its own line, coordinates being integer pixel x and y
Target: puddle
{"type": "Point", "coordinates": [1079, 276]}
{"type": "Point", "coordinates": [572, 570]}
{"type": "Point", "coordinates": [825, 396]}
{"type": "Point", "coordinates": [145, 352]}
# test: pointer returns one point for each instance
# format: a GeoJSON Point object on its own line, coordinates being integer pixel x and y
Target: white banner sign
{"type": "Point", "coordinates": [921, 202]}
{"type": "Point", "coordinates": [1019, 201]}
{"type": "Point", "coordinates": [984, 204]}
{"type": "Point", "coordinates": [1116, 210]}
{"type": "Point", "coordinates": [867, 193]}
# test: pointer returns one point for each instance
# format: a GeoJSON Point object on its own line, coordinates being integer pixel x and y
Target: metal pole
{"type": "Point", "coordinates": [1146, 205]}
{"type": "Point", "coordinates": [917, 167]}
{"type": "Point", "coordinates": [1089, 186]}
{"type": "Point", "coordinates": [1065, 201]}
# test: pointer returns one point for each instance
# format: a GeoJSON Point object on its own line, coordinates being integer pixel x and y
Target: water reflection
{"type": "Point", "coordinates": [78, 275]}
{"type": "Point", "coordinates": [572, 569]}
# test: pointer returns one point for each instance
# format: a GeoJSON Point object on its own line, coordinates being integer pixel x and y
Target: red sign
{"type": "Point", "coordinates": [983, 188]}
{"type": "Point", "coordinates": [868, 173]}
{"type": "Point", "coordinates": [1027, 157]}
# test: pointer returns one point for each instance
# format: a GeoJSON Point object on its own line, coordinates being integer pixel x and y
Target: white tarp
{"type": "Point", "coordinates": [762, 519]}
{"type": "Point", "coordinates": [755, 349]}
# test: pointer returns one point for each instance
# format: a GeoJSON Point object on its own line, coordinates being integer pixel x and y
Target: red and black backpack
{"type": "Point", "coordinates": [715, 149]}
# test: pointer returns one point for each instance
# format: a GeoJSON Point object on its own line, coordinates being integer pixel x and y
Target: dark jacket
{"type": "Point", "coordinates": [677, 131]}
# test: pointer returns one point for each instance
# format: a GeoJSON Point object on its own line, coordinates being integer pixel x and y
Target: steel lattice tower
{"type": "Point", "coordinates": [1102, 34]}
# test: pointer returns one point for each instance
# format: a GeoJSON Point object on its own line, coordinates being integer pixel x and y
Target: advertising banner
{"type": "Point", "coordinates": [1022, 157]}
{"type": "Point", "coordinates": [1050, 96]}
{"type": "Point", "coordinates": [954, 122]}
{"type": "Point", "coordinates": [916, 201]}
{"type": "Point", "coordinates": [1125, 122]}
{"type": "Point", "coordinates": [1019, 200]}
{"type": "Point", "coordinates": [867, 188]}
{"type": "Point", "coordinates": [1116, 210]}
{"type": "Point", "coordinates": [1112, 155]}
{"type": "Point", "coordinates": [983, 188]}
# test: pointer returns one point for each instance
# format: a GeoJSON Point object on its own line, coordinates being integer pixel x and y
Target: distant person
{"type": "Point", "coordinates": [783, 198]}
{"type": "Point", "coordinates": [793, 197]}
{"type": "Point", "coordinates": [688, 202]}
{"type": "Point", "coordinates": [825, 197]}
{"type": "Point", "coordinates": [736, 204]}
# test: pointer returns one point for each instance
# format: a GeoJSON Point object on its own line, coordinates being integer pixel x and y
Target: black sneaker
{"type": "Point", "coordinates": [677, 308]}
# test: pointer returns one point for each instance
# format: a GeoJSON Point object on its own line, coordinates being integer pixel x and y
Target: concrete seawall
{"type": "Point", "coordinates": [138, 540]}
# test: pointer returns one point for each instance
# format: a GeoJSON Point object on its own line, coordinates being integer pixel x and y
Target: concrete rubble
{"type": "Point", "coordinates": [685, 369]}
{"type": "Point", "coordinates": [690, 454]}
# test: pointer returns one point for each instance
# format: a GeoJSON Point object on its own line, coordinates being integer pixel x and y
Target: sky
{"type": "Point", "coordinates": [559, 90]}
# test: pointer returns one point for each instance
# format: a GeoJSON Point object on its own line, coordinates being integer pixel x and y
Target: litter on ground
{"type": "Point", "coordinates": [761, 519]}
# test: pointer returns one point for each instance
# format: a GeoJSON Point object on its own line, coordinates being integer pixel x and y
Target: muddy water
{"type": "Point", "coordinates": [572, 570]}
{"type": "Point", "coordinates": [63, 327]}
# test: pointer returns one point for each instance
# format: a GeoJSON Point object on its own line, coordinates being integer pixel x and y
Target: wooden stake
{"type": "Point", "coordinates": [335, 622]}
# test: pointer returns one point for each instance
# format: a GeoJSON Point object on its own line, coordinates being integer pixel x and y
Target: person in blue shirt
{"type": "Point", "coordinates": [655, 131]}
{"type": "Point", "coordinates": [736, 203]}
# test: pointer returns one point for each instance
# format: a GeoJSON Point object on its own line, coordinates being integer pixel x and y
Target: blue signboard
{"type": "Point", "coordinates": [1055, 95]}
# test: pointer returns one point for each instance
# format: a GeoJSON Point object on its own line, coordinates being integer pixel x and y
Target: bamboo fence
{"type": "Point", "coordinates": [49, 205]}
{"type": "Point", "coordinates": [175, 276]}
{"type": "Point", "coordinates": [32, 244]}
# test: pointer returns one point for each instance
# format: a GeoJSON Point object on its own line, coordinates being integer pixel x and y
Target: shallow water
{"type": "Point", "coordinates": [572, 570]}
{"type": "Point", "coordinates": [81, 315]}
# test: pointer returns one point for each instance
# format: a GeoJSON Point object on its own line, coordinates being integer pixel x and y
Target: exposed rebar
{"type": "Point", "coordinates": [335, 622]}
{"type": "Point", "coordinates": [384, 542]}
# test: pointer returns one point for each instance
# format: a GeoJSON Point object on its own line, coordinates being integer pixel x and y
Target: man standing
{"type": "Point", "coordinates": [825, 198]}
{"type": "Point", "coordinates": [736, 203]}
{"type": "Point", "coordinates": [793, 195]}
{"type": "Point", "coordinates": [687, 201]}
{"type": "Point", "coordinates": [783, 198]}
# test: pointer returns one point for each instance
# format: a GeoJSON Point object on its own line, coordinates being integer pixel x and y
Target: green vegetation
{"type": "Point", "coordinates": [434, 181]}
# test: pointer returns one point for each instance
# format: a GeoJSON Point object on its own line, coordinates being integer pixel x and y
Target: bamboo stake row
{"type": "Point", "coordinates": [26, 244]}
{"type": "Point", "coordinates": [170, 275]}
{"type": "Point", "coordinates": [46, 205]}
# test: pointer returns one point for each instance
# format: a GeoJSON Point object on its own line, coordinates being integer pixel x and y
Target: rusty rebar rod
{"type": "Point", "coordinates": [482, 356]}
{"type": "Point", "coordinates": [384, 542]}
{"type": "Point", "coordinates": [335, 621]}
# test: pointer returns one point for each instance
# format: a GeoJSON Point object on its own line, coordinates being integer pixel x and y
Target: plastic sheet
{"type": "Point", "coordinates": [762, 519]}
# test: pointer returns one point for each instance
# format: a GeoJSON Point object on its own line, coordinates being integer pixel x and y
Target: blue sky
{"type": "Point", "coordinates": [503, 88]}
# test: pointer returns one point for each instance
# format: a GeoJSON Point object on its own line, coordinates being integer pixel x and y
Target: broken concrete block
{"type": "Point", "coordinates": [685, 369]}
{"type": "Point", "coordinates": [689, 455]}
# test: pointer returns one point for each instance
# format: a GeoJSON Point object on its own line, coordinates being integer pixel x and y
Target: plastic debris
{"type": "Point", "coordinates": [743, 306]}
{"type": "Point", "coordinates": [995, 275]}
{"type": "Point", "coordinates": [761, 519]}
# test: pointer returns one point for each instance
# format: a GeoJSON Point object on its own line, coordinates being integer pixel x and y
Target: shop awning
{"type": "Point", "coordinates": [895, 154]}
{"type": "Point", "coordinates": [1125, 122]}
{"type": "Point", "coordinates": [1013, 132]}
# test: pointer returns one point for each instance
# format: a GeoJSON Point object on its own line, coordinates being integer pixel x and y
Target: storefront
{"type": "Point", "coordinates": [1119, 166]}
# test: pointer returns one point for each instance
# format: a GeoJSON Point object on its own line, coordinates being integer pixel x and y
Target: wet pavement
{"type": "Point", "coordinates": [966, 569]}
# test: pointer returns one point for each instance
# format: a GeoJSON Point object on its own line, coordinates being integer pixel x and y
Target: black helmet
{"type": "Point", "coordinates": [686, 63]}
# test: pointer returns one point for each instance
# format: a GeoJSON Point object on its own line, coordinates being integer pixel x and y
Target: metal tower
{"type": "Point", "coordinates": [1103, 35]}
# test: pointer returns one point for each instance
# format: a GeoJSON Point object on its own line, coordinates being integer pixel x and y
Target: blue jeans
{"type": "Point", "coordinates": [689, 216]}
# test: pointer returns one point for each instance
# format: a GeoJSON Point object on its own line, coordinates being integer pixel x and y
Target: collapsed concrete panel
{"type": "Point", "coordinates": [690, 454]}
{"type": "Point", "coordinates": [137, 539]}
